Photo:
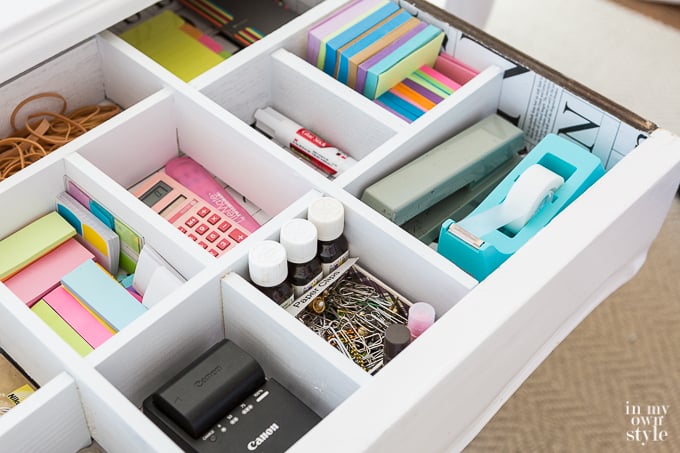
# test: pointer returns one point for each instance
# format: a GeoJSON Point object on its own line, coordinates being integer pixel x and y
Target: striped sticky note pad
{"type": "Point", "coordinates": [96, 289]}
{"type": "Point", "coordinates": [418, 93]}
{"type": "Point", "coordinates": [31, 242]}
{"type": "Point", "coordinates": [61, 327]}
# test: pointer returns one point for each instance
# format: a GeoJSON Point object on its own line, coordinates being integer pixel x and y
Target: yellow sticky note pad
{"type": "Point", "coordinates": [31, 242]}
{"type": "Point", "coordinates": [425, 55]}
{"type": "Point", "coordinates": [95, 239]}
{"type": "Point", "coordinates": [61, 327]}
{"type": "Point", "coordinates": [163, 40]}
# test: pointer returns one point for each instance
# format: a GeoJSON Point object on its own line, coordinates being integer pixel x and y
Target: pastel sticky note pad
{"type": "Point", "coordinates": [431, 95]}
{"type": "Point", "coordinates": [101, 213]}
{"type": "Point", "coordinates": [422, 49]}
{"type": "Point", "coordinates": [103, 295]}
{"type": "Point", "coordinates": [426, 83]}
{"type": "Point", "coordinates": [405, 109]}
{"type": "Point", "coordinates": [343, 27]}
{"type": "Point", "coordinates": [384, 53]}
{"type": "Point", "coordinates": [331, 24]}
{"type": "Point", "coordinates": [77, 193]}
{"type": "Point", "coordinates": [41, 276]}
{"type": "Point", "coordinates": [77, 317]}
{"type": "Point", "coordinates": [376, 34]}
{"type": "Point", "coordinates": [454, 69]}
{"type": "Point", "coordinates": [162, 39]}
{"type": "Point", "coordinates": [413, 96]}
{"type": "Point", "coordinates": [352, 32]}
{"type": "Point", "coordinates": [99, 239]}
{"type": "Point", "coordinates": [61, 327]}
{"type": "Point", "coordinates": [441, 78]}
{"type": "Point", "coordinates": [31, 242]}
{"type": "Point", "coordinates": [391, 110]}
{"type": "Point", "coordinates": [130, 246]}
{"type": "Point", "coordinates": [380, 44]}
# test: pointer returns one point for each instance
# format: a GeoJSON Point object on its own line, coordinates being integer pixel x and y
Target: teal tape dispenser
{"type": "Point", "coordinates": [546, 181]}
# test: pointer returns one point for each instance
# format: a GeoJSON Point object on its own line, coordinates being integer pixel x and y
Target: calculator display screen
{"type": "Point", "coordinates": [155, 194]}
{"type": "Point", "coordinates": [171, 207]}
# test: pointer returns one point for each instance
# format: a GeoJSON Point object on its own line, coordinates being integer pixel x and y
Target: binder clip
{"type": "Point", "coordinates": [546, 181]}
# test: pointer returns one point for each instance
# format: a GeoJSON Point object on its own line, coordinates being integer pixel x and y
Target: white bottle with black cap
{"type": "Point", "coordinates": [299, 238]}
{"type": "Point", "coordinates": [268, 269]}
{"type": "Point", "coordinates": [328, 216]}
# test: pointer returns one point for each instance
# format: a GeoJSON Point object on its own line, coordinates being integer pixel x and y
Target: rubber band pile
{"type": "Point", "coordinates": [45, 131]}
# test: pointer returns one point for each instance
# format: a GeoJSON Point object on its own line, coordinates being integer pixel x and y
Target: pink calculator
{"type": "Point", "coordinates": [194, 217]}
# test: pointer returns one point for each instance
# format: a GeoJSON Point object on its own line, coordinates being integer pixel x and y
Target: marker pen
{"type": "Point", "coordinates": [304, 143]}
{"type": "Point", "coordinates": [194, 177]}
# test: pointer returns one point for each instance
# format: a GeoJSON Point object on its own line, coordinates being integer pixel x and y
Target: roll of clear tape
{"type": "Point", "coordinates": [534, 187]}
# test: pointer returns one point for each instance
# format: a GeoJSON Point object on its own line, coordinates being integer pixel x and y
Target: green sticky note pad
{"type": "Point", "coordinates": [130, 246]}
{"type": "Point", "coordinates": [66, 332]}
{"type": "Point", "coordinates": [39, 237]}
{"type": "Point", "coordinates": [164, 41]}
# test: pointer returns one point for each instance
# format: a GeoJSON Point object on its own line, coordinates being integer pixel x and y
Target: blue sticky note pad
{"type": "Point", "coordinates": [102, 214]}
{"type": "Point", "coordinates": [93, 287]}
{"type": "Point", "coordinates": [401, 106]}
{"type": "Point", "coordinates": [375, 35]}
{"type": "Point", "coordinates": [346, 36]}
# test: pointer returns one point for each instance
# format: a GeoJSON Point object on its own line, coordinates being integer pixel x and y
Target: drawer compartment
{"type": "Point", "coordinates": [31, 425]}
{"type": "Point", "coordinates": [90, 73]}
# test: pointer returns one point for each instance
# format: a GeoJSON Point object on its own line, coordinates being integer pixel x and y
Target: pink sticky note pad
{"type": "Point", "coordinates": [438, 76]}
{"type": "Point", "coordinates": [454, 69]}
{"type": "Point", "coordinates": [77, 317]}
{"type": "Point", "coordinates": [135, 294]}
{"type": "Point", "coordinates": [45, 273]}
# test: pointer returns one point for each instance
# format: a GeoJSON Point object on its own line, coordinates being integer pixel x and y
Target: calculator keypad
{"type": "Point", "coordinates": [207, 227]}
{"type": "Point", "coordinates": [237, 235]}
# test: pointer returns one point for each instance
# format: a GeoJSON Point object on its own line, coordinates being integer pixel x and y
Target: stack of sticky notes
{"type": "Point", "coordinates": [454, 69]}
{"type": "Point", "coordinates": [55, 265]}
{"type": "Point", "coordinates": [31, 242]}
{"type": "Point", "coordinates": [177, 46]}
{"type": "Point", "coordinates": [88, 307]}
{"type": "Point", "coordinates": [94, 234]}
{"type": "Point", "coordinates": [417, 93]}
{"type": "Point", "coordinates": [372, 45]}
{"type": "Point", "coordinates": [97, 290]}
{"type": "Point", "coordinates": [44, 274]}
{"type": "Point", "coordinates": [130, 242]}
